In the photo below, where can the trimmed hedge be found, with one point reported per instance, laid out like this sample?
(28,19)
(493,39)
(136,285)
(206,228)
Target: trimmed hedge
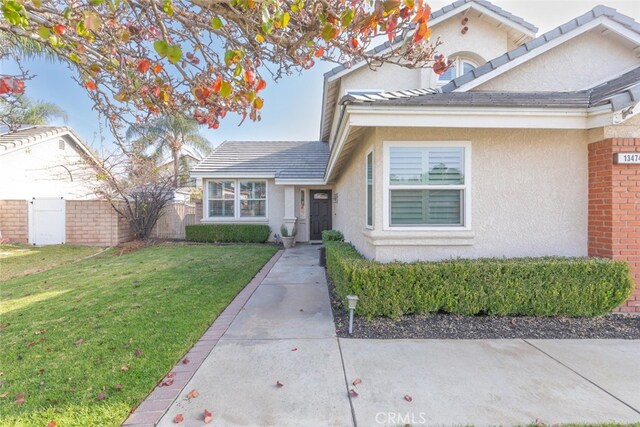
(332,236)
(227,233)
(571,287)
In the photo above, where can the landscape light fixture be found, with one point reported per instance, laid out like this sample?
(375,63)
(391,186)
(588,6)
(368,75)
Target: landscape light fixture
(353,301)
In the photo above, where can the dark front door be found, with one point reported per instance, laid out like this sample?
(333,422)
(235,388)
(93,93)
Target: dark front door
(320,218)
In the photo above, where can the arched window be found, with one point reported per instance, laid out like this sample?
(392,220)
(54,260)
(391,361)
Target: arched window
(459,67)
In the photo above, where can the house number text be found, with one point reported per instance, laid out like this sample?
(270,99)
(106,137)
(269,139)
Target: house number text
(627,159)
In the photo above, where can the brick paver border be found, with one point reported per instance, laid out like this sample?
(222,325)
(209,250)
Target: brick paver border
(157,403)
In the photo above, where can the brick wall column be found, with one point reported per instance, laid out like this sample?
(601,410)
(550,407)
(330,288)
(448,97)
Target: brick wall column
(14,226)
(614,208)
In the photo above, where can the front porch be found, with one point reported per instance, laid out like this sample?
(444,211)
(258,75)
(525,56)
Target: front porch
(310,208)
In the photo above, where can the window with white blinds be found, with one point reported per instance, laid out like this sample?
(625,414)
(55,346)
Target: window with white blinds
(426,186)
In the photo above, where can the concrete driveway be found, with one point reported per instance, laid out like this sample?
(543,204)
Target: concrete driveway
(285,333)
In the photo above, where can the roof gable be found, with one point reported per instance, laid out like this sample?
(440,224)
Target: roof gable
(599,16)
(440,15)
(517,29)
(29,136)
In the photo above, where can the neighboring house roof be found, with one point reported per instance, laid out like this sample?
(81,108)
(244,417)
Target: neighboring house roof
(524,30)
(619,93)
(283,160)
(539,45)
(184,152)
(26,135)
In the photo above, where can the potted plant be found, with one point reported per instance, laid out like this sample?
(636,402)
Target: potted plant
(288,239)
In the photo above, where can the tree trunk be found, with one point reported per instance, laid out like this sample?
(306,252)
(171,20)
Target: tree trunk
(176,167)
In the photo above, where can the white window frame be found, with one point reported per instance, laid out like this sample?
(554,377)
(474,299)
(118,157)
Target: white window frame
(236,201)
(373,189)
(458,63)
(466,187)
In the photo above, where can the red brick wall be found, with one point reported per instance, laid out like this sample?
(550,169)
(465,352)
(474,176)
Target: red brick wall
(614,208)
(13,221)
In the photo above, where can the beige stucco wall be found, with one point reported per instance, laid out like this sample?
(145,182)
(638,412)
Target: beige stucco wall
(42,169)
(630,128)
(349,212)
(580,63)
(528,189)
(482,42)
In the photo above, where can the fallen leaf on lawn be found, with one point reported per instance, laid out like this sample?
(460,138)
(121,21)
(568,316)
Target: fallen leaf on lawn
(52,423)
(124,368)
(78,341)
(166,383)
(294,349)
(20,398)
(171,375)
(137,353)
(208,416)
(193,394)
(3,395)
(1,374)
(42,339)
(178,418)
(353,393)
(408,398)
(101,396)
(356,381)
(185,361)
(279,384)
(40,332)
(31,343)
(40,371)
(118,387)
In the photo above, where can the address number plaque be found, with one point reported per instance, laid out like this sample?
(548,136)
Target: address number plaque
(626,158)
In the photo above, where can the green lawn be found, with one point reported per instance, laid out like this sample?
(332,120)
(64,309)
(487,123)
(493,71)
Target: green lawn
(67,333)
(20,260)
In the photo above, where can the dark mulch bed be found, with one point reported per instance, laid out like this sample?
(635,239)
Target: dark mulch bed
(448,326)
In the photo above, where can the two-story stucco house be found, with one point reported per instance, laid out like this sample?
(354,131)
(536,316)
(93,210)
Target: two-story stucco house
(528,146)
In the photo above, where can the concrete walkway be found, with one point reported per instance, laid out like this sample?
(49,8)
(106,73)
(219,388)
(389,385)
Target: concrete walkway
(285,333)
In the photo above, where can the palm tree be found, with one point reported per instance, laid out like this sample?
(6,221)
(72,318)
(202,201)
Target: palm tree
(168,135)
(26,48)
(28,112)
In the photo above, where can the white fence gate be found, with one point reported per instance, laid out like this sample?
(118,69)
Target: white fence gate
(46,221)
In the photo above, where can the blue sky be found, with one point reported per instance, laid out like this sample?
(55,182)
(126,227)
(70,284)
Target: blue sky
(292,106)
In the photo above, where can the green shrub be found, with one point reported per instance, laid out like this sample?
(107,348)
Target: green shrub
(516,287)
(284,231)
(228,233)
(332,236)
